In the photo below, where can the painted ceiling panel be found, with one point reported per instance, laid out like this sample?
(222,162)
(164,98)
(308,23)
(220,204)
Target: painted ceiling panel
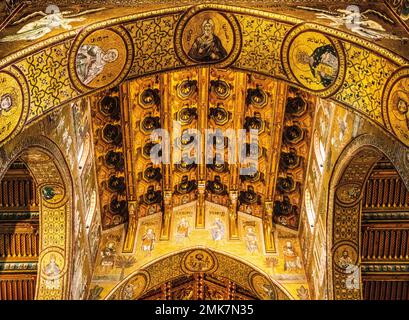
(198,154)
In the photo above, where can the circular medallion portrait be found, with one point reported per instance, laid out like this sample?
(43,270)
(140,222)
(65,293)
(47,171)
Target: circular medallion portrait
(345,257)
(101,58)
(13,104)
(52,270)
(52,194)
(263,287)
(348,193)
(134,287)
(397,105)
(199,261)
(315,61)
(207,37)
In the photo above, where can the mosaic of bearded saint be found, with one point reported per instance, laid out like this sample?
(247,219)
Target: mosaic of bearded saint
(91,61)
(207,47)
(400,106)
(323,63)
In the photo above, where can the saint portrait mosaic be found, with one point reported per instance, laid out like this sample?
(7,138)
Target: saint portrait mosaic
(135,286)
(345,256)
(348,193)
(52,273)
(13,103)
(207,37)
(101,58)
(314,60)
(263,287)
(396,104)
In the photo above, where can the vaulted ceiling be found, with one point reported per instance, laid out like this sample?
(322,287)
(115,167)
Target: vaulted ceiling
(156,83)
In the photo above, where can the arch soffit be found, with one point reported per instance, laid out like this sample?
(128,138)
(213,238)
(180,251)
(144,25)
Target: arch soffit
(31,72)
(344,208)
(221,264)
(47,165)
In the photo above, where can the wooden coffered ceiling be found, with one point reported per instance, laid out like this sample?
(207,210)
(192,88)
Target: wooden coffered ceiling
(201,98)
(19,236)
(385,235)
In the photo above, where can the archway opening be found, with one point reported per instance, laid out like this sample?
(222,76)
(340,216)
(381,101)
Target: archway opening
(197,274)
(368,224)
(200,286)
(52,190)
(19,233)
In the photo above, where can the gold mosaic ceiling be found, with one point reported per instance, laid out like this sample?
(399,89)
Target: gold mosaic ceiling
(204,98)
(324,61)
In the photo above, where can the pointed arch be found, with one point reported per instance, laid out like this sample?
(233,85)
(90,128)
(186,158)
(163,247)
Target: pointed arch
(346,191)
(198,261)
(54,185)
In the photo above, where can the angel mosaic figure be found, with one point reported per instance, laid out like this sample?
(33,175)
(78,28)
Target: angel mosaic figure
(49,21)
(356,21)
